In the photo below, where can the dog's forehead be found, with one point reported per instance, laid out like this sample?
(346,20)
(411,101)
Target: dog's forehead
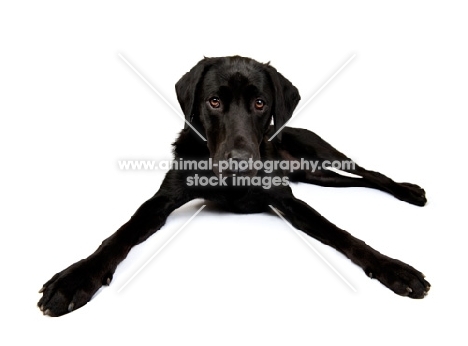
(235,75)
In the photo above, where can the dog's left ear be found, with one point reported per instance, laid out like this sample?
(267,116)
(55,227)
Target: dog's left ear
(186,87)
(286,98)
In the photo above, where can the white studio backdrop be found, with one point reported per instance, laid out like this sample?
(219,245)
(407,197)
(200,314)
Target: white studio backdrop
(71,108)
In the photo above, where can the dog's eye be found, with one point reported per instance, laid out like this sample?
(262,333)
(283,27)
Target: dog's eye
(215,102)
(259,104)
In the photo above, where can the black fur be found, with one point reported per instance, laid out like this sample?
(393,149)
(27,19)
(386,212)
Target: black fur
(232,101)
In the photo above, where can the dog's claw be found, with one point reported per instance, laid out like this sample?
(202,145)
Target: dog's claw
(42,289)
(108,281)
(71,306)
(409,290)
(47,312)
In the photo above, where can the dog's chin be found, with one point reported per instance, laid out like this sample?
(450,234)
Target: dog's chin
(229,174)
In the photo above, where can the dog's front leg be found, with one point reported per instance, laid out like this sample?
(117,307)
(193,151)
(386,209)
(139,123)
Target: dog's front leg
(400,277)
(74,287)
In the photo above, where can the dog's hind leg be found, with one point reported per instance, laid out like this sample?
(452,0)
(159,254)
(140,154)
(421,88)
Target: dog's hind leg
(300,144)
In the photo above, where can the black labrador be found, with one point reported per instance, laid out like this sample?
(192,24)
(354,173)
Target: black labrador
(231,102)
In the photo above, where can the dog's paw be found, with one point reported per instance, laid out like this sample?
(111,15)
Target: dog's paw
(72,288)
(411,193)
(401,278)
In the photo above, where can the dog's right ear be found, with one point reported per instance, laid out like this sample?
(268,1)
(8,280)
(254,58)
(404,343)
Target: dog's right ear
(186,88)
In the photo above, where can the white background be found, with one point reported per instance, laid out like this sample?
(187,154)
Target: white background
(70,109)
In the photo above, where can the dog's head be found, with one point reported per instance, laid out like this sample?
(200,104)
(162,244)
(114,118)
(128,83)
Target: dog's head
(233,99)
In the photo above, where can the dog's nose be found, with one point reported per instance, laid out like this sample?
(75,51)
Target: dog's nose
(239,162)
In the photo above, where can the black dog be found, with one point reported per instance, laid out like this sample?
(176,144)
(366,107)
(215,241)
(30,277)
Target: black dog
(231,101)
